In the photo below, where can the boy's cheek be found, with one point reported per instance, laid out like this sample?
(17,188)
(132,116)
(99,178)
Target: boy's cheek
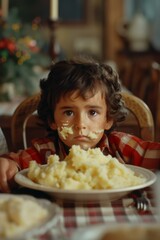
(108,124)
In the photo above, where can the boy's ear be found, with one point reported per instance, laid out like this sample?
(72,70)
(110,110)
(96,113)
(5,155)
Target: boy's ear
(109,124)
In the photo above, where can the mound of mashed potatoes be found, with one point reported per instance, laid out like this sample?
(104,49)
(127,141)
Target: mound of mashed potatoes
(18,215)
(83,169)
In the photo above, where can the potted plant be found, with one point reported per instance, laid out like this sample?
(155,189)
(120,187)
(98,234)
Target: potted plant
(21,51)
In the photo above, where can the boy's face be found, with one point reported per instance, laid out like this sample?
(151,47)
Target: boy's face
(81,121)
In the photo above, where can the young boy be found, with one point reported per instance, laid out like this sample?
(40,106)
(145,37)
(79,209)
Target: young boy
(80,105)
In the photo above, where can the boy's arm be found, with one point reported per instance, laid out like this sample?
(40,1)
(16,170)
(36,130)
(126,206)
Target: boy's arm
(10,163)
(8,168)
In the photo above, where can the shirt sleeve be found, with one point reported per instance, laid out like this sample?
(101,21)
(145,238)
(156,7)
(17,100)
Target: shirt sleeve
(39,152)
(23,157)
(137,151)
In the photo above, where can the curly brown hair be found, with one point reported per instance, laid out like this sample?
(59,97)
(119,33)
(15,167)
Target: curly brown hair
(82,75)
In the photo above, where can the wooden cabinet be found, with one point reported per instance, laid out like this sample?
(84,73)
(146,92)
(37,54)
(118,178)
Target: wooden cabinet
(147,57)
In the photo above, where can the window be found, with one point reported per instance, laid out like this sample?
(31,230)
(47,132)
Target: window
(70,11)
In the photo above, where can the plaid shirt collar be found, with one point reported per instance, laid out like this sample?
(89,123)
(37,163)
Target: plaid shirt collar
(103,145)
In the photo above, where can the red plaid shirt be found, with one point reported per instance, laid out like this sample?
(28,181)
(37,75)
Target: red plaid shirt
(132,149)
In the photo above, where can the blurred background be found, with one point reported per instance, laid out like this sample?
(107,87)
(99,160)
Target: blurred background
(108,30)
(122,33)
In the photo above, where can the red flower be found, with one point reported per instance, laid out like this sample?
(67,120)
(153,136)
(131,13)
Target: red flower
(7,44)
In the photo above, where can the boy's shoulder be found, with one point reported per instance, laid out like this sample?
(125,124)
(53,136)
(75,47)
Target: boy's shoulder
(118,134)
(123,137)
(42,140)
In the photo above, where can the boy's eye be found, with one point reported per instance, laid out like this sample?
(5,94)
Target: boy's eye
(68,113)
(93,112)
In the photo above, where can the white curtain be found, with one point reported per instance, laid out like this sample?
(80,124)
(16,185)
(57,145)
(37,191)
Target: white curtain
(3,143)
(151,10)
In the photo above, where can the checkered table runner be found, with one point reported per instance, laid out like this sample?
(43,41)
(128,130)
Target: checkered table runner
(78,215)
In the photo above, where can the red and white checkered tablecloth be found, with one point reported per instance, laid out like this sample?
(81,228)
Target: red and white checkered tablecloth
(82,215)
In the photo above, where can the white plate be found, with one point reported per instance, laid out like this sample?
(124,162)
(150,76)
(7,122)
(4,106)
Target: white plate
(88,195)
(51,221)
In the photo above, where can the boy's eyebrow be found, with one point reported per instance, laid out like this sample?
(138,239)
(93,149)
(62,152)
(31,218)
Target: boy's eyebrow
(88,106)
(94,106)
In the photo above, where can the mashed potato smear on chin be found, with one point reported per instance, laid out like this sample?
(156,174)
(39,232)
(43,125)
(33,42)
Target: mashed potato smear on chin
(84,169)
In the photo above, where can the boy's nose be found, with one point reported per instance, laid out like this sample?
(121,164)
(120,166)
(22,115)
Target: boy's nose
(80,123)
(79,127)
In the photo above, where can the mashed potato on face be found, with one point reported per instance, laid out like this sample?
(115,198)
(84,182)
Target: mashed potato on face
(83,169)
(18,214)
(64,131)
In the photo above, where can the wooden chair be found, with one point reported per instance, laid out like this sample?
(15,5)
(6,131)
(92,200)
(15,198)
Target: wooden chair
(136,77)
(25,123)
(143,80)
(139,121)
(152,96)
(125,71)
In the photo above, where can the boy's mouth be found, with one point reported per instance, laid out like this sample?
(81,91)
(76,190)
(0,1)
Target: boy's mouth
(81,137)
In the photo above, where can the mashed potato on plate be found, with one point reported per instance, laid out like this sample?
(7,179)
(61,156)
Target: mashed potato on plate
(18,215)
(84,169)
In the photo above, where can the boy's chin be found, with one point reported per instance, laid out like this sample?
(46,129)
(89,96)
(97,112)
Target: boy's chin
(85,146)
